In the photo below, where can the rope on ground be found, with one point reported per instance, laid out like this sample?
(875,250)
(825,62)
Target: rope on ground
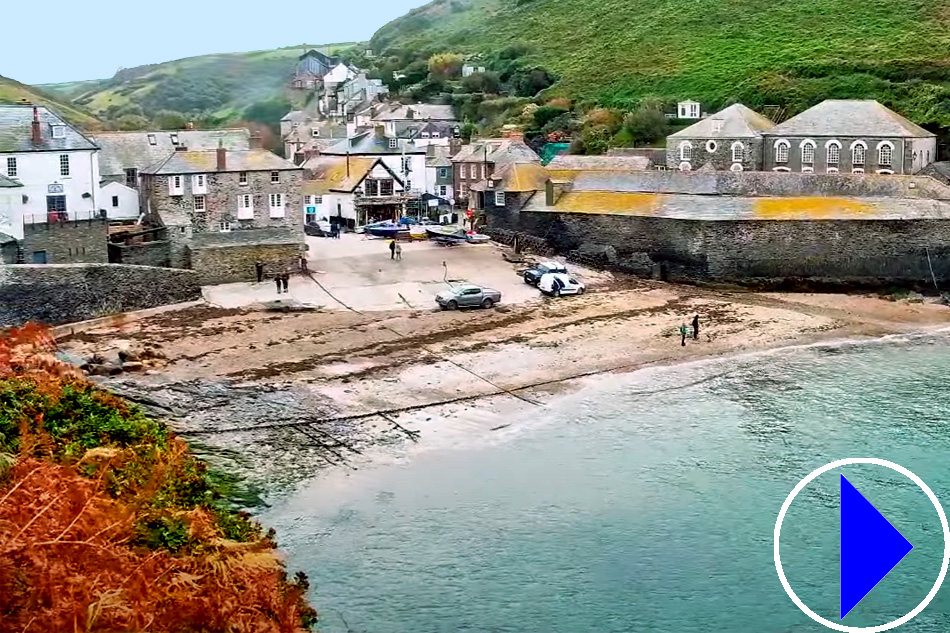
(434,353)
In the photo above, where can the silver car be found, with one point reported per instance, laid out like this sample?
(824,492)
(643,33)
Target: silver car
(467,296)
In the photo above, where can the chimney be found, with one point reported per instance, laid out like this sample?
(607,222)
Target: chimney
(455,146)
(37,134)
(549,193)
(222,157)
(380,132)
(256,140)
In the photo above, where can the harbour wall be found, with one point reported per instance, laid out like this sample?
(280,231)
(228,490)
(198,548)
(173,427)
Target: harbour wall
(790,254)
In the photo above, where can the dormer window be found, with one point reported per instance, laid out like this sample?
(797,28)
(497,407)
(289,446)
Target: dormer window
(174,138)
(436,134)
(425,135)
(315,133)
(152,140)
(59,131)
(393,143)
(717,126)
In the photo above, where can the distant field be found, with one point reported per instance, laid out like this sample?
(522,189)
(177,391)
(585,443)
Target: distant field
(12,91)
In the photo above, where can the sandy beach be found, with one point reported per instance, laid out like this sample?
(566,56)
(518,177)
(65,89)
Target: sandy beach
(295,392)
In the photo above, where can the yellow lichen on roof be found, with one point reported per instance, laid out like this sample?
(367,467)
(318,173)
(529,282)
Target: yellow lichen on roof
(525,177)
(616,202)
(809,208)
(564,175)
(333,174)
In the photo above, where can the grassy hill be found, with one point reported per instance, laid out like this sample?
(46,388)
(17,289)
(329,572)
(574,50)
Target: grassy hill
(759,52)
(14,92)
(221,86)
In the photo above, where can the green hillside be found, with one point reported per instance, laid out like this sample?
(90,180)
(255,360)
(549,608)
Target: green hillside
(14,92)
(219,87)
(759,52)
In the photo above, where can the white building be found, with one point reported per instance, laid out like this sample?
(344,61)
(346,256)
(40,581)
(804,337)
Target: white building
(405,158)
(352,191)
(57,166)
(688,110)
(11,210)
(120,201)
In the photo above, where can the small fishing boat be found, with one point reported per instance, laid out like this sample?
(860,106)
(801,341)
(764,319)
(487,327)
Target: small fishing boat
(385,229)
(456,233)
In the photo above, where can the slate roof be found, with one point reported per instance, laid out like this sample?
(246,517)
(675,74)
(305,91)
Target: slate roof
(420,112)
(128,150)
(737,121)
(206,162)
(330,173)
(438,156)
(498,150)
(841,117)
(515,164)
(371,145)
(729,208)
(8,182)
(567,162)
(296,115)
(266,235)
(16,131)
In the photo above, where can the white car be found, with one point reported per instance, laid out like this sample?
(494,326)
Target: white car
(557,284)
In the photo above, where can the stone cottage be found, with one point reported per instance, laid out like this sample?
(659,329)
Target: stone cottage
(199,192)
(728,140)
(849,136)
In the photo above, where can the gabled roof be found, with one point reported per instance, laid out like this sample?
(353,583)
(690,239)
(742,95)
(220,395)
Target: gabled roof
(335,173)
(736,121)
(516,168)
(207,162)
(16,131)
(298,116)
(438,156)
(496,150)
(8,182)
(850,117)
(135,150)
(369,144)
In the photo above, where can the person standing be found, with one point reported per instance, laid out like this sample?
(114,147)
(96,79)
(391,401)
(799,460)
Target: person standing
(398,252)
(683,334)
(303,264)
(259,267)
(696,327)
(392,249)
(277,281)
(285,279)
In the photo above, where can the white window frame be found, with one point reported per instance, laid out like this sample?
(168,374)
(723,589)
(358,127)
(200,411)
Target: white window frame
(425,135)
(314,133)
(783,170)
(808,169)
(436,135)
(736,167)
(64,165)
(738,156)
(686,166)
(317,200)
(443,172)
(245,206)
(885,172)
(199,208)
(224,225)
(199,183)
(832,170)
(462,171)
(276,204)
(393,143)
(808,146)
(864,154)
(717,126)
(59,131)
(174,138)
(837,153)
(686,152)
(885,145)
(275,178)
(782,151)
(499,198)
(712,146)
(443,191)
(11,166)
(176,185)
(242,178)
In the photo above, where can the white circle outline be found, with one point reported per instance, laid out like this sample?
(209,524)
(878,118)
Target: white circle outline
(946,545)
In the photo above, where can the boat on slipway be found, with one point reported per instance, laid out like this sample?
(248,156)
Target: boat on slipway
(455,233)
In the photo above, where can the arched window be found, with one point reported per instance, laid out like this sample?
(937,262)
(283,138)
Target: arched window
(684,166)
(736,167)
(808,153)
(885,153)
(781,151)
(858,151)
(738,152)
(834,152)
(686,150)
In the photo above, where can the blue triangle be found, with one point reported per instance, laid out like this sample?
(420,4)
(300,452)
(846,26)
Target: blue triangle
(870,547)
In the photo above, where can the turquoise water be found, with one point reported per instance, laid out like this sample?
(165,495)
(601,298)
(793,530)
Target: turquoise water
(644,502)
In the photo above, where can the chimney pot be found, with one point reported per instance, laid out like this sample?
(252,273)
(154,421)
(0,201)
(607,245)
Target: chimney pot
(37,132)
(256,141)
(222,156)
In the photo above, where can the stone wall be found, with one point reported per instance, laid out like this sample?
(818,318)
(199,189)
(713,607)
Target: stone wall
(231,257)
(720,158)
(155,253)
(56,294)
(73,242)
(831,254)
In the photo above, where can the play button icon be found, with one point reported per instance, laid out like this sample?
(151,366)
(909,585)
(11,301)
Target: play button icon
(870,547)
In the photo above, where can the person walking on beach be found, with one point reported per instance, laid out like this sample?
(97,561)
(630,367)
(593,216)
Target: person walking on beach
(683,333)
(398,252)
(259,267)
(285,280)
(277,281)
(392,249)
(303,264)
(696,327)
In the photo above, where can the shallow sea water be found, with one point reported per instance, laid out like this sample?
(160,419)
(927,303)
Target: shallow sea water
(644,502)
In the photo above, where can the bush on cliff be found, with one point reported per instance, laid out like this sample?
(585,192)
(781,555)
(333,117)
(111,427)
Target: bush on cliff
(108,523)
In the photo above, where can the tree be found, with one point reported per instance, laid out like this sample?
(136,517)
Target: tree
(170,120)
(546,114)
(486,82)
(647,125)
(130,122)
(529,82)
(468,130)
(445,66)
(596,139)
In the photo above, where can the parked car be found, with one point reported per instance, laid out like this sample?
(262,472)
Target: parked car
(557,284)
(321,228)
(468,296)
(533,275)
